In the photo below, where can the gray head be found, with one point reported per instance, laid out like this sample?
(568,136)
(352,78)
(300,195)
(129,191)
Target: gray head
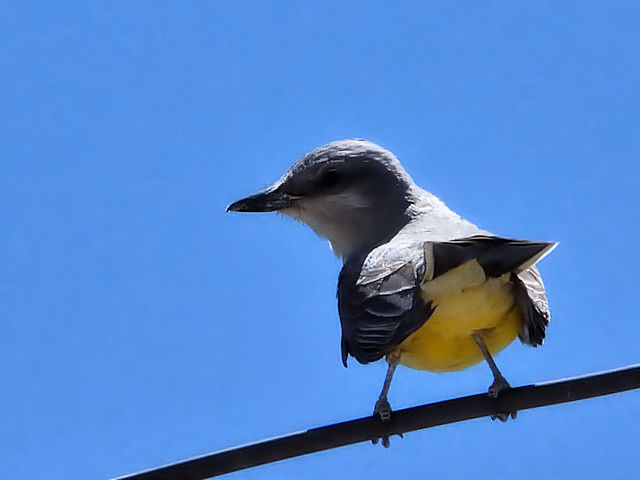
(352,192)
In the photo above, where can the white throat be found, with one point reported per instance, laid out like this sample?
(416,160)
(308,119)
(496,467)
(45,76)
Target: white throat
(342,219)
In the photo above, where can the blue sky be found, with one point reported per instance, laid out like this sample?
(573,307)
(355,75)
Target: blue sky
(141,324)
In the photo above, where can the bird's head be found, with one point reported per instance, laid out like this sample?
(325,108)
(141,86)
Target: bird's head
(352,192)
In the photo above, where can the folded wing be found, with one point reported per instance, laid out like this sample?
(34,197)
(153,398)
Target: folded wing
(377,316)
(380,303)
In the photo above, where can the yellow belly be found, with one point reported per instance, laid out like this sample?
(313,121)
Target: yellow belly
(466,302)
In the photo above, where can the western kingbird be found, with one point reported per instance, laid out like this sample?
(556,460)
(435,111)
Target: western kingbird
(420,285)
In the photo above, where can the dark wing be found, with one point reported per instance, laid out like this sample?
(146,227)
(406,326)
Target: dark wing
(530,295)
(377,316)
(498,256)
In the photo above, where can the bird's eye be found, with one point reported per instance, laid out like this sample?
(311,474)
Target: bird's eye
(330,179)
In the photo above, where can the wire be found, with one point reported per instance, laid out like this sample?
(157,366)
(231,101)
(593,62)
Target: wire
(402,421)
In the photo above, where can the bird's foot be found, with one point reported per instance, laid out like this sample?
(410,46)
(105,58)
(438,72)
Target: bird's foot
(382,409)
(503,417)
(385,440)
(498,386)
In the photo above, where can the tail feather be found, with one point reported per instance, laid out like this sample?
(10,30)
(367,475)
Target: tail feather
(496,255)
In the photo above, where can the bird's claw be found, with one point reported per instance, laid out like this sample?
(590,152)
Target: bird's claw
(503,417)
(382,409)
(385,440)
(498,386)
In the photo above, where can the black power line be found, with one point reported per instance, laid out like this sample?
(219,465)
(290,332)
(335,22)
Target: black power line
(402,421)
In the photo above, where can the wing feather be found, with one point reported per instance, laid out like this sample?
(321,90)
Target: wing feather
(379,298)
(379,315)
(530,295)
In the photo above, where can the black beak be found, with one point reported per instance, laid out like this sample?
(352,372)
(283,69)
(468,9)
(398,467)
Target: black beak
(269,200)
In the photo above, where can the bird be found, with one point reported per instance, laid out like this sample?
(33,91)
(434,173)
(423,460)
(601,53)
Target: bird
(420,286)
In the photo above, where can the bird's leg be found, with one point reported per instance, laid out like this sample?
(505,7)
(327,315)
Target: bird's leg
(500,383)
(382,408)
